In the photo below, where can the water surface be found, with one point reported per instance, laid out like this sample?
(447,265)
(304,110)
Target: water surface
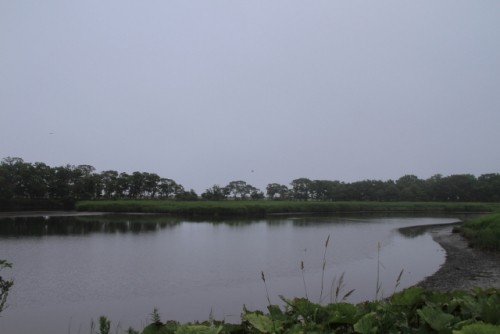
(69,270)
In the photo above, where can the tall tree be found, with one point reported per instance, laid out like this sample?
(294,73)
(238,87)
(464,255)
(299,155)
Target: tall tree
(109,179)
(136,183)
(301,188)
(86,184)
(237,189)
(151,184)
(215,193)
(168,188)
(277,191)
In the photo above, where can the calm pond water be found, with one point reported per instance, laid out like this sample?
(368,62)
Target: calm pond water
(69,270)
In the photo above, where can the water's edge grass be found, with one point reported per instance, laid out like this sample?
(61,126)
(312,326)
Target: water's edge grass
(269,207)
(483,232)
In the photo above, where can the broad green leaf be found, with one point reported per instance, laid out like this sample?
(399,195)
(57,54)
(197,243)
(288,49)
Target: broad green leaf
(276,313)
(261,322)
(490,309)
(408,297)
(342,313)
(305,308)
(367,324)
(479,329)
(434,317)
(470,307)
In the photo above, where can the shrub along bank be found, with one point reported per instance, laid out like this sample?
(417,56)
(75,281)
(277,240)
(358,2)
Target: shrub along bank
(483,232)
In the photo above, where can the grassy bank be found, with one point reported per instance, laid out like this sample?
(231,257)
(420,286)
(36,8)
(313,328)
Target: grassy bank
(266,207)
(483,232)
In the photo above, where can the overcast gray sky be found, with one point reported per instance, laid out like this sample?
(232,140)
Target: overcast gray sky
(205,92)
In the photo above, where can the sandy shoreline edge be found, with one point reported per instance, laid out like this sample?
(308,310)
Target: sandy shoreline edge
(464,267)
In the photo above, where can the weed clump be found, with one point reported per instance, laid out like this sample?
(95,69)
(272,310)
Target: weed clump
(483,232)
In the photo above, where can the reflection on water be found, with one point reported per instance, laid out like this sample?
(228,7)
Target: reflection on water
(81,225)
(78,268)
(45,226)
(416,231)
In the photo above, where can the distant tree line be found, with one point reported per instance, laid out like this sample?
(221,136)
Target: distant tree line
(462,187)
(22,180)
(19,179)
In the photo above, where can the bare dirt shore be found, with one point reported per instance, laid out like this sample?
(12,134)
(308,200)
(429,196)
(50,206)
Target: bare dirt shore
(465,267)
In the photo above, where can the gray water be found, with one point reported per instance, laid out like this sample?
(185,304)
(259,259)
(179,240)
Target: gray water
(70,270)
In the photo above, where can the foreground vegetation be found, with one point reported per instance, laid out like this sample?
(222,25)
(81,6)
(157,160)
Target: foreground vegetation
(266,207)
(413,310)
(5,284)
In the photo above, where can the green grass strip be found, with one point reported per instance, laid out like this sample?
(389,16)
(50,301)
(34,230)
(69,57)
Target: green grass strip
(267,207)
(483,232)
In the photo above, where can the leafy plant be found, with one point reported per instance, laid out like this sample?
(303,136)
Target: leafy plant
(5,285)
(104,325)
(155,316)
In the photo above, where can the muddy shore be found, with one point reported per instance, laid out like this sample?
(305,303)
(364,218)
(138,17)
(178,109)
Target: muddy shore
(465,267)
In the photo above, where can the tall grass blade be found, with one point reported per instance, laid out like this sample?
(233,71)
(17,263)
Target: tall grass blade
(323,269)
(340,286)
(265,284)
(348,294)
(303,277)
(398,280)
(379,285)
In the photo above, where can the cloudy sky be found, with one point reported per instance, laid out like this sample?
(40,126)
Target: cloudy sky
(207,92)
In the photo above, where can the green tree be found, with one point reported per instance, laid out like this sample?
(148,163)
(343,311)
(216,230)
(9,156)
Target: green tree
(60,182)
(109,179)
(411,188)
(38,186)
(85,184)
(215,193)
(325,190)
(151,184)
(14,172)
(255,193)
(463,187)
(123,185)
(238,189)
(168,188)
(136,184)
(186,195)
(302,188)
(488,187)
(277,191)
